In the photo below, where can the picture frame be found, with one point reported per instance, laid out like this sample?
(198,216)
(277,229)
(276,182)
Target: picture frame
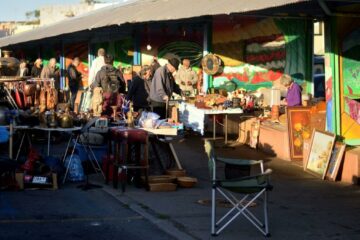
(321,147)
(336,158)
(299,129)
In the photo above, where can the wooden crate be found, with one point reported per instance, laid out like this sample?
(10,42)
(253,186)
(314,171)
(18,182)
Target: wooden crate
(22,185)
(351,168)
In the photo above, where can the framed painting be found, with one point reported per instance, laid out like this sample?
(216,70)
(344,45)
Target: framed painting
(320,152)
(299,126)
(335,161)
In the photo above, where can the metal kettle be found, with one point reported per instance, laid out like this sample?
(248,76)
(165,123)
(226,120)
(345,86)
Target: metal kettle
(66,120)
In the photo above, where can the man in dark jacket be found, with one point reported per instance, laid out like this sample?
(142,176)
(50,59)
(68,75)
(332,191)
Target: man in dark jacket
(74,77)
(112,82)
(139,89)
(162,87)
(109,78)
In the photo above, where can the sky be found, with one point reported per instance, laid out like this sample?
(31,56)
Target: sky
(14,10)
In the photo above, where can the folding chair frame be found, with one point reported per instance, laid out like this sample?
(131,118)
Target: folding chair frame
(239,206)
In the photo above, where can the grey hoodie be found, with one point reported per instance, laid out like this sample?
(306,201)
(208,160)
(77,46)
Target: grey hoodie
(163,84)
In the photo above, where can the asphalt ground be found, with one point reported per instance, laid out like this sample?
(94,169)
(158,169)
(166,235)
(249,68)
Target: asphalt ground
(70,213)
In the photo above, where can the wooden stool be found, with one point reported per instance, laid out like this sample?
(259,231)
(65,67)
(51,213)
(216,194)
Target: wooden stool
(129,144)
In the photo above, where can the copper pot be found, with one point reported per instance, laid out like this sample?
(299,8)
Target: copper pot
(9,66)
(66,120)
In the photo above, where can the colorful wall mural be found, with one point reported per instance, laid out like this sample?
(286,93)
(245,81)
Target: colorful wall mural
(258,51)
(172,40)
(343,78)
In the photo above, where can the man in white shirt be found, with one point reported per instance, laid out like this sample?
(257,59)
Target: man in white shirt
(186,77)
(96,65)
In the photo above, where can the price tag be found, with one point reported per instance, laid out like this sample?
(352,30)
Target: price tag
(39,180)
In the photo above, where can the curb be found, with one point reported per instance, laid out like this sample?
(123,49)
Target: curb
(168,226)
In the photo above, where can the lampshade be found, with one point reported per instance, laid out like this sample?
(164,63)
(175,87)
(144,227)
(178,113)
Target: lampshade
(275,96)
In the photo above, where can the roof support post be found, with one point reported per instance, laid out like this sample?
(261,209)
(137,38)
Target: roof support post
(62,67)
(137,48)
(207,44)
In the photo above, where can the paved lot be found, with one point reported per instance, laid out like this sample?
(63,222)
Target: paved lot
(70,213)
(301,206)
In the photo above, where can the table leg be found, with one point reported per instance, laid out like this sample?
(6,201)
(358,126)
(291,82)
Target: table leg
(226,129)
(29,139)
(11,139)
(21,144)
(67,147)
(72,153)
(156,153)
(175,156)
(214,126)
(48,147)
(98,167)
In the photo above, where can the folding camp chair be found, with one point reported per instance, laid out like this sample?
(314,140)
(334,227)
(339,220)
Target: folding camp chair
(250,187)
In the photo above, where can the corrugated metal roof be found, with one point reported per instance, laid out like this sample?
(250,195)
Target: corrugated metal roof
(144,11)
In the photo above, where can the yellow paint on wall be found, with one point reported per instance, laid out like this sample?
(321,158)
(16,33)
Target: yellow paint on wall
(350,129)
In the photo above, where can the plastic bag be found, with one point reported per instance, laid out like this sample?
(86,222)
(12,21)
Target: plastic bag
(76,171)
(4,135)
(148,119)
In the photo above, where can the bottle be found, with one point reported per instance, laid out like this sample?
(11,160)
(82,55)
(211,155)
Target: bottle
(130,117)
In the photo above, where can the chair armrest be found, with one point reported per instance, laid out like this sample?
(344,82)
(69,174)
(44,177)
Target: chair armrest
(266,174)
(238,161)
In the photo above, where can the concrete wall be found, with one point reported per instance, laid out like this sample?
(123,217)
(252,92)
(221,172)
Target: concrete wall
(55,13)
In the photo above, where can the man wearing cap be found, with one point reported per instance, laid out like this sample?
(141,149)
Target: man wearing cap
(163,85)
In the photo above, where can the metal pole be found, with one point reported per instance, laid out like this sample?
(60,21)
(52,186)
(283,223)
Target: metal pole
(214,127)
(11,140)
(48,147)
(226,129)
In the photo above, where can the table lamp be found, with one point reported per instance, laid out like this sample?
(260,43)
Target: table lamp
(275,96)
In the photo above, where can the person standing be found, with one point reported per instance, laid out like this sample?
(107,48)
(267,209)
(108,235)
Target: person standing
(36,69)
(140,88)
(112,82)
(186,77)
(23,70)
(74,77)
(51,71)
(200,82)
(162,87)
(293,97)
(96,65)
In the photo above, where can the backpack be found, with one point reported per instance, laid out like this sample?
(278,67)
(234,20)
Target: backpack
(113,82)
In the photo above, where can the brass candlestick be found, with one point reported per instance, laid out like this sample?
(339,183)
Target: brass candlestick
(114,108)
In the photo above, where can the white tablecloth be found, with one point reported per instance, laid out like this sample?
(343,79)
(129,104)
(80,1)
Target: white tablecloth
(196,119)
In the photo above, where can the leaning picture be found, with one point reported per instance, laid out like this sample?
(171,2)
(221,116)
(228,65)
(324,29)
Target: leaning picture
(320,152)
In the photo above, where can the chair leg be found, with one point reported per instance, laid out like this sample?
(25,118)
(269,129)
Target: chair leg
(107,165)
(213,211)
(267,234)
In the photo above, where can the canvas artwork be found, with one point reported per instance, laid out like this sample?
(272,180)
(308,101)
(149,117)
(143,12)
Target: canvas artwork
(299,124)
(320,152)
(335,161)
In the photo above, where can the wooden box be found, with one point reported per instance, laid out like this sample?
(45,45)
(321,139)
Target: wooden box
(351,167)
(274,139)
